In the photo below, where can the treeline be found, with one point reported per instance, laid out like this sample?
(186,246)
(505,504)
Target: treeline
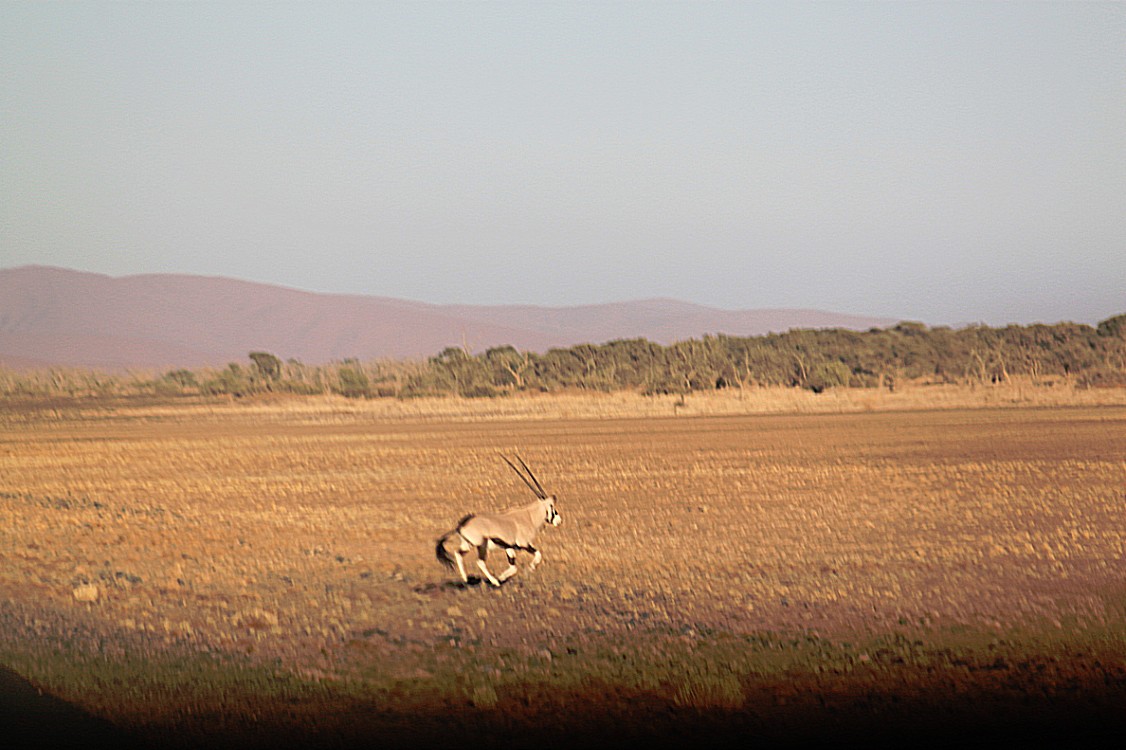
(811,359)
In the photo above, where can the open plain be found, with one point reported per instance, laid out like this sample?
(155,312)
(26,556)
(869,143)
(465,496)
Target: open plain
(263,574)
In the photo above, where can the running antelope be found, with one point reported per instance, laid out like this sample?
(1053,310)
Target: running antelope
(511,530)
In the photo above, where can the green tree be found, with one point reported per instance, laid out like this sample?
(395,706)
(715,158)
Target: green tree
(828,375)
(182,378)
(1113,327)
(508,367)
(231,381)
(267,366)
(353,382)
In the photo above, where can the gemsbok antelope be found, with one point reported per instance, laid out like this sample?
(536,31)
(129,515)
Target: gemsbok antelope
(511,530)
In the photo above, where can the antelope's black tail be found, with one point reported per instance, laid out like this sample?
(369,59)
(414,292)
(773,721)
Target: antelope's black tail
(442,553)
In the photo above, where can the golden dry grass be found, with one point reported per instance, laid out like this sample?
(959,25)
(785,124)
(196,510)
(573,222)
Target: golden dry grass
(298,535)
(1019,392)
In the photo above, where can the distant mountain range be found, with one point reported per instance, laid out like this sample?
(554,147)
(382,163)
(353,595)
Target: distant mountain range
(58,317)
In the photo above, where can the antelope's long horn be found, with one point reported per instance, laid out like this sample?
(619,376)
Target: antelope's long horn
(538,492)
(542,494)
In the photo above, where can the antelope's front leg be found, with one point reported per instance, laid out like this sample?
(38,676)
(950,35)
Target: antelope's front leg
(483,552)
(511,569)
(536,557)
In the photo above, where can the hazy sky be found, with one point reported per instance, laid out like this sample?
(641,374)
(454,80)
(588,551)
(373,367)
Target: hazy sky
(948,163)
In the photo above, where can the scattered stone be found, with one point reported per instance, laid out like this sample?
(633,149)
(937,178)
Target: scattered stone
(86,593)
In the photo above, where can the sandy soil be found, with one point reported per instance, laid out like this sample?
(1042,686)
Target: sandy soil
(771,575)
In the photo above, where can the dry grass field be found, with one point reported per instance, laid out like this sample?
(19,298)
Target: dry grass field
(263,574)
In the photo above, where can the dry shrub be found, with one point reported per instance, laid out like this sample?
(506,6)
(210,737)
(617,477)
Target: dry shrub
(484,696)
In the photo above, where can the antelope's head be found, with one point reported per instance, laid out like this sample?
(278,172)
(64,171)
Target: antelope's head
(551,515)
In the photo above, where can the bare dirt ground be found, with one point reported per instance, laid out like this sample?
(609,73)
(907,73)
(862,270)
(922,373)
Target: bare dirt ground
(262,575)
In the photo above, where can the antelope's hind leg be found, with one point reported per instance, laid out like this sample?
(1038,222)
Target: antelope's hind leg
(459,558)
(511,569)
(483,552)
